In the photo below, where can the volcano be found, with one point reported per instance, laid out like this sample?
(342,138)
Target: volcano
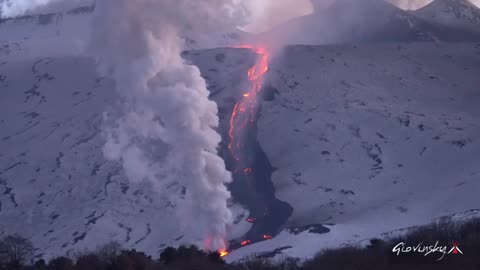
(456,13)
(352,141)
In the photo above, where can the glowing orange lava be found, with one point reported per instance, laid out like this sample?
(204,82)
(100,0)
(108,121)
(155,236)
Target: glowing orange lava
(267,237)
(223,252)
(245,242)
(245,109)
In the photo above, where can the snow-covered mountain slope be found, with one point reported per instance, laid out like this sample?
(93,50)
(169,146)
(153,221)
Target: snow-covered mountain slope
(457,13)
(306,243)
(373,138)
(56,188)
(46,34)
(364,21)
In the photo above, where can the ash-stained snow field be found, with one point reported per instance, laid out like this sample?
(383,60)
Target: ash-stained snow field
(362,130)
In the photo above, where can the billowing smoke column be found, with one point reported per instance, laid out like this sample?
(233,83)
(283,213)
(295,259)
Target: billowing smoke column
(166,129)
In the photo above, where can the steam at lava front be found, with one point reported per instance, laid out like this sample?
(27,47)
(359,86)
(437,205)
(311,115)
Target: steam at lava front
(245,110)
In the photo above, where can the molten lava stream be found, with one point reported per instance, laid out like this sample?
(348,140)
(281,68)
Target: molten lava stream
(245,242)
(223,252)
(244,110)
(267,237)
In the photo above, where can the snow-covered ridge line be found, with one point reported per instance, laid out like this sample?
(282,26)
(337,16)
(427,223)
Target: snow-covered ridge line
(349,21)
(460,14)
(44,16)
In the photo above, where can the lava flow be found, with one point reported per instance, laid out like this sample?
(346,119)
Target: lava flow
(245,242)
(267,237)
(245,110)
(243,114)
(223,252)
(251,219)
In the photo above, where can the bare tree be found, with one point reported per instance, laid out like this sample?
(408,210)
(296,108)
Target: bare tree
(110,250)
(15,250)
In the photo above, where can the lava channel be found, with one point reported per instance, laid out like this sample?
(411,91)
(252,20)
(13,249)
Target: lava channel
(245,110)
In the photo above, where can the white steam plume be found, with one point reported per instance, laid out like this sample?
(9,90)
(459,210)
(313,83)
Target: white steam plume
(166,131)
(270,13)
